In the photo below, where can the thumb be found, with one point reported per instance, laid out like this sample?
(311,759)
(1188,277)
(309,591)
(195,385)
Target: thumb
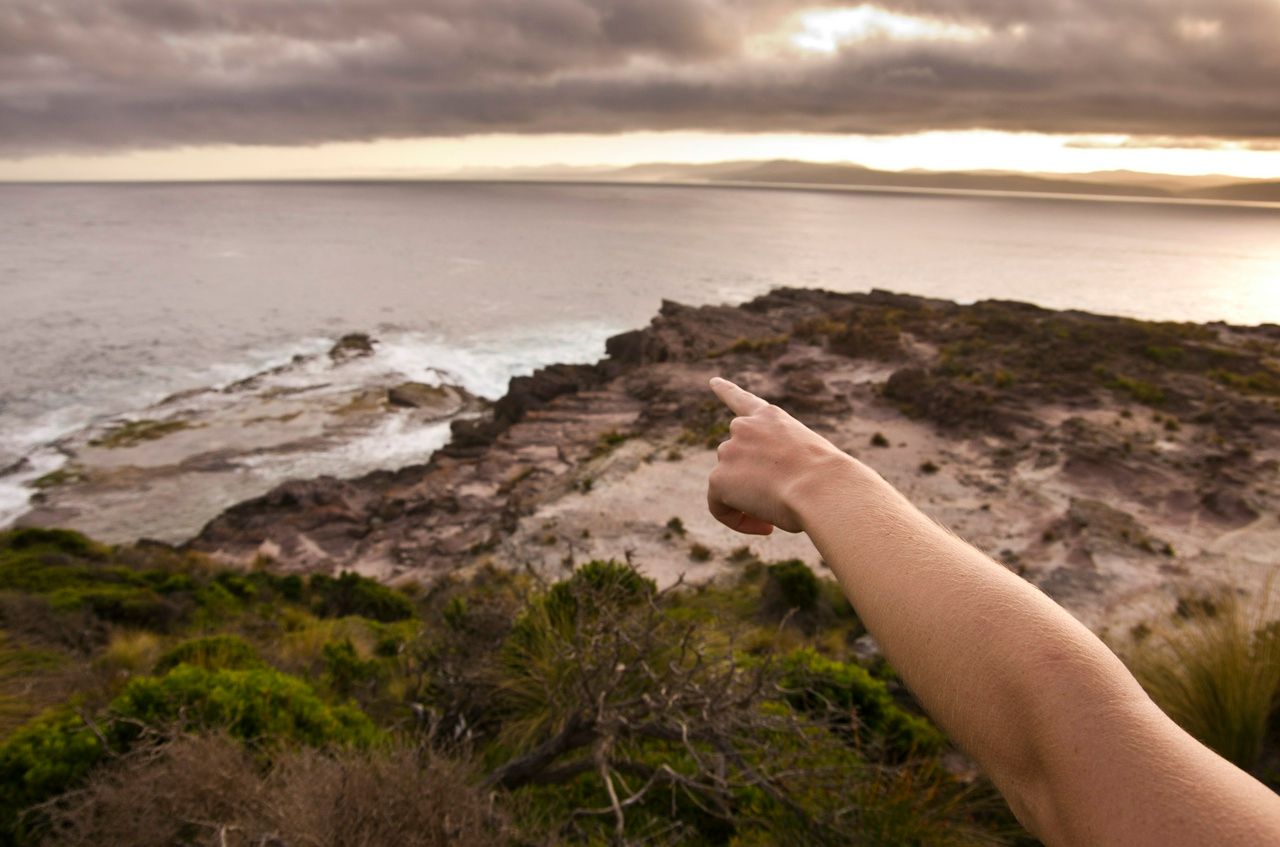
(753,526)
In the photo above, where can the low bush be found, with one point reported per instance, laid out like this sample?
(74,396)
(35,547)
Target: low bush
(56,751)
(42,759)
(259,705)
(215,652)
(603,709)
(352,594)
(791,585)
(209,790)
(345,672)
(848,693)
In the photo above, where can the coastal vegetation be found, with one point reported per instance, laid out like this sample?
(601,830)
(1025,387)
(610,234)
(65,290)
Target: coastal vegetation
(287,697)
(1214,667)
(141,681)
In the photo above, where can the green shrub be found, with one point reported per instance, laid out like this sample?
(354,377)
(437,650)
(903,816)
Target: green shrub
(75,574)
(124,605)
(44,758)
(67,541)
(290,587)
(792,585)
(352,594)
(345,671)
(56,751)
(620,583)
(1144,392)
(260,705)
(216,652)
(818,685)
(700,552)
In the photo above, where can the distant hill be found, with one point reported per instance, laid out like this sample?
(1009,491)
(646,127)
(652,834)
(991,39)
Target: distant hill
(1103,183)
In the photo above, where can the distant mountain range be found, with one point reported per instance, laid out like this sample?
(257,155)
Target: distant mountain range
(787,172)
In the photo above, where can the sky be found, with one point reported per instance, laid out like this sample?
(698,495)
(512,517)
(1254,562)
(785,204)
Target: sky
(174,89)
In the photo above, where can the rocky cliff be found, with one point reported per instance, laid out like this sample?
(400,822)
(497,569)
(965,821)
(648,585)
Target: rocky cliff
(1119,464)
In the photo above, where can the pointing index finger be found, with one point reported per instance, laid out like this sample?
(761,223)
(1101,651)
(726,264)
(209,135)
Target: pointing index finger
(739,400)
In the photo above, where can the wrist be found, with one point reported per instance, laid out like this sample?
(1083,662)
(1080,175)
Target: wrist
(825,483)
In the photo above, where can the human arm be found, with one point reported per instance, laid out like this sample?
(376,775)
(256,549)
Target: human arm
(1054,718)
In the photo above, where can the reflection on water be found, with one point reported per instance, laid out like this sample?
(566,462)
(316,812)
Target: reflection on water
(115,295)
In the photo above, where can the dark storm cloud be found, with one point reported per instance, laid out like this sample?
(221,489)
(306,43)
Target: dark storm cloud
(102,74)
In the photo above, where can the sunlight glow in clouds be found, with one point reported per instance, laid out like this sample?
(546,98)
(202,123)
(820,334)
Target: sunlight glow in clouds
(826,30)
(1199,29)
(488,155)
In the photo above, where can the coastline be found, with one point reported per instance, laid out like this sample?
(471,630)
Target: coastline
(741,185)
(1120,465)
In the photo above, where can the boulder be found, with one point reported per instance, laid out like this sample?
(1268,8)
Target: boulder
(353,345)
(440,401)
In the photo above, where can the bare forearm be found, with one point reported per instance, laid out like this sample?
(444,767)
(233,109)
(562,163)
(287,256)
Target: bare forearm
(1046,709)
(955,625)
(1080,752)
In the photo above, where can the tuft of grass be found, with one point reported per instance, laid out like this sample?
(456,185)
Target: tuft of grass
(131,651)
(509,484)
(1262,382)
(700,553)
(1144,392)
(23,673)
(607,442)
(929,467)
(1216,672)
(675,527)
(878,440)
(131,433)
(62,476)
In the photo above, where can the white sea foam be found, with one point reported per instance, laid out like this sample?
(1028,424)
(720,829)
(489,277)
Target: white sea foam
(483,365)
(396,443)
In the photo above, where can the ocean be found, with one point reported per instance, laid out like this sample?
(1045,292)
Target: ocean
(115,296)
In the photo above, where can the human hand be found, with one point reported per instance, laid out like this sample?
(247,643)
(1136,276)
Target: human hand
(768,458)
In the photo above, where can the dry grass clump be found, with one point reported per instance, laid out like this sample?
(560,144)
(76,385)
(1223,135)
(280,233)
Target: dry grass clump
(1216,672)
(210,790)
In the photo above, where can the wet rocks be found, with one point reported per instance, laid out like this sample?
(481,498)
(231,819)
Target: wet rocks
(434,402)
(353,345)
(684,334)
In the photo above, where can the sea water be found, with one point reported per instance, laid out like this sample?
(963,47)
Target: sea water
(114,296)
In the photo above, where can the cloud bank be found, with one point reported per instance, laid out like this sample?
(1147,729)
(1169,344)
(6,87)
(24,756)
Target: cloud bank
(85,75)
